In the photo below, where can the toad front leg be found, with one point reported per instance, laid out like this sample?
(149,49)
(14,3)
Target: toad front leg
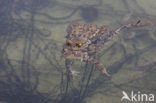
(99,65)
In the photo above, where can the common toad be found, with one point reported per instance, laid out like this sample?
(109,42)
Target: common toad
(85,40)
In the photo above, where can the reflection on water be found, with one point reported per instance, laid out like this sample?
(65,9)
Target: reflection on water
(32,69)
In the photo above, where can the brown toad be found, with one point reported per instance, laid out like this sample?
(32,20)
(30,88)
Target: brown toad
(85,40)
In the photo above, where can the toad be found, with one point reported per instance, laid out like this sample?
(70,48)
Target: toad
(86,40)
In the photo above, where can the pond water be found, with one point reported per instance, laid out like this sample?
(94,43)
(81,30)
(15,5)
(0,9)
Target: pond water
(33,70)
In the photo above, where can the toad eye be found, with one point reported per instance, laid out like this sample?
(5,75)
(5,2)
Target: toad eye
(69,43)
(79,44)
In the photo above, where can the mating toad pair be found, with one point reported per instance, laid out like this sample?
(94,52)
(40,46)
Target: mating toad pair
(85,40)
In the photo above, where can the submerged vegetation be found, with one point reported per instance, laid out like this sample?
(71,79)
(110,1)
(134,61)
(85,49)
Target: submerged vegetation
(33,71)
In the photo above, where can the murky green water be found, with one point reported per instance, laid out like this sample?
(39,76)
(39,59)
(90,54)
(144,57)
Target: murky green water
(32,33)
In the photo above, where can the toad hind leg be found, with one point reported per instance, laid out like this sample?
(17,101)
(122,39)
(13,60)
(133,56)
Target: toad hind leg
(99,65)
